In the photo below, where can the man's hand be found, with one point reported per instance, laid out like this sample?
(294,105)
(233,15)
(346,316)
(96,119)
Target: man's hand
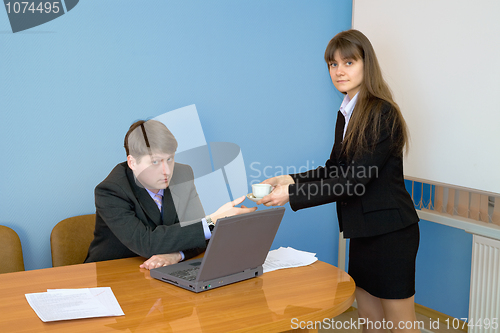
(160,260)
(229,209)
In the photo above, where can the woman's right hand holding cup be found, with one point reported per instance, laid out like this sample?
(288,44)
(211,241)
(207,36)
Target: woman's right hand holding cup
(279,195)
(279,180)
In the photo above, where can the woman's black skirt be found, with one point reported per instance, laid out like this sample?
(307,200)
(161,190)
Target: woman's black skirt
(384,265)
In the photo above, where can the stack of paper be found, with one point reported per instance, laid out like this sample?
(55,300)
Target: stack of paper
(65,304)
(287,258)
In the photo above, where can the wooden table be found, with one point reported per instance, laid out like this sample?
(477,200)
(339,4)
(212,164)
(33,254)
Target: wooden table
(267,303)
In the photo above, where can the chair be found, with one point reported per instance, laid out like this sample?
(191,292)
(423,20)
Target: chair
(11,253)
(70,240)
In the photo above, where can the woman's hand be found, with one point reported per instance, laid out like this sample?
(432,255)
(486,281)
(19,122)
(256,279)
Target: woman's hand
(160,260)
(278,197)
(279,180)
(229,209)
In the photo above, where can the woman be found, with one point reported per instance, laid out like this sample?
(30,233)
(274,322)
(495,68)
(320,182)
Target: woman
(364,175)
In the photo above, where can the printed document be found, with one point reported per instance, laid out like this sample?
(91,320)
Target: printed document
(287,258)
(65,304)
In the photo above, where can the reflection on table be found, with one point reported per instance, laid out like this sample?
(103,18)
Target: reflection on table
(264,304)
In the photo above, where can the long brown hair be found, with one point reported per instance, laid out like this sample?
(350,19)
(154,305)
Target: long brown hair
(364,124)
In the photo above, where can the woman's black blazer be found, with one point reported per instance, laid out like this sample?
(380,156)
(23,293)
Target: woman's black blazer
(370,191)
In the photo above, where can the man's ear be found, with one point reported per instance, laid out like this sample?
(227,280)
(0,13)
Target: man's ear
(131,162)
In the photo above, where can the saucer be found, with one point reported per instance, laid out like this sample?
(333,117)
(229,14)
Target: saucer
(252,197)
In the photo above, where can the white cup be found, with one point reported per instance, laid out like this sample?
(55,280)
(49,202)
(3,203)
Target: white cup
(261,190)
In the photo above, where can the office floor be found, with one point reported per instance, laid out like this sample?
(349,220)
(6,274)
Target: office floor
(352,316)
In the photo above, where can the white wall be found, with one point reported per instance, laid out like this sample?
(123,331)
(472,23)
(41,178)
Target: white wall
(440,59)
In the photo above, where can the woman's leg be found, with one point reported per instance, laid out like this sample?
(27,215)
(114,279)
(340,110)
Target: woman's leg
(401,312)
(370,311)
(378,314)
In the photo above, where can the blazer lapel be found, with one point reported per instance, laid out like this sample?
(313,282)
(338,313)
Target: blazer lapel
(169,208)
(147,203)
(339,132)
(179,204)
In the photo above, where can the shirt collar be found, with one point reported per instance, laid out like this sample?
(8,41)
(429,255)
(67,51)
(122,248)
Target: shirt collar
(348,106)
(160,192)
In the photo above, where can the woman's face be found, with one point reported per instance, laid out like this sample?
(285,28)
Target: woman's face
(346,74)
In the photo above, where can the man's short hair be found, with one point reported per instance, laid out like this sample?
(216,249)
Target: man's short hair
(149,137)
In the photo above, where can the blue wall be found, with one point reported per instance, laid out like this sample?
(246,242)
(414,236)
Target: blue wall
(443,269)
(443,262)
(71,87)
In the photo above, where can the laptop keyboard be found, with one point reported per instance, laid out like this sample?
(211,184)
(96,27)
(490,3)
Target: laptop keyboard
(187,274)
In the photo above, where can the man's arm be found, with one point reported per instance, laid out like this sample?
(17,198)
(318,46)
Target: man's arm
(129,222)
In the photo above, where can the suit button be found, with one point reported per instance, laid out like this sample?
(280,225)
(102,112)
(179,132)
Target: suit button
(343,203)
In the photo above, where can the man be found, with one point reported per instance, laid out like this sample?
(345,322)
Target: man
(144,208)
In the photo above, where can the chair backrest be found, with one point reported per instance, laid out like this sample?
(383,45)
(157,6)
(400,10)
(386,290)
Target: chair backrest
(70,240)
(11,253)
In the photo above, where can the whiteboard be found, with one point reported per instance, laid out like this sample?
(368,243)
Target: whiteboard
(441,59)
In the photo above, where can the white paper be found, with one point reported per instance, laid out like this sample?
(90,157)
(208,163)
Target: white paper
(287,258)
(66,304)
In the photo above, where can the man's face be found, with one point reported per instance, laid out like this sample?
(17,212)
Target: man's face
(153,172)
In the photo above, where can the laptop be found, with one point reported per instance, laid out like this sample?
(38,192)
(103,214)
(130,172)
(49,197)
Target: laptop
(237,249)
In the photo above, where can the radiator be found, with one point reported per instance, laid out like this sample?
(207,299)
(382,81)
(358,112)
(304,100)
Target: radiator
(484,303)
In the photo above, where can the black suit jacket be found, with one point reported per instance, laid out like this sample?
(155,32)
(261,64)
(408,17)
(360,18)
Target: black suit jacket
(129,223)
(370,191)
